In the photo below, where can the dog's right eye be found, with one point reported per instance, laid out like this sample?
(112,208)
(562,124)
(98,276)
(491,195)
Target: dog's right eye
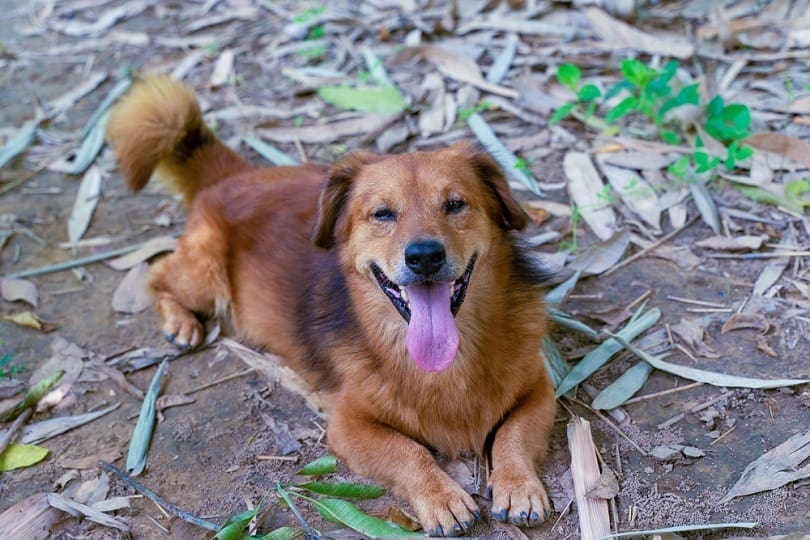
(384,214)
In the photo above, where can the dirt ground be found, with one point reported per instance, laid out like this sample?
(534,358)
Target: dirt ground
(208,457)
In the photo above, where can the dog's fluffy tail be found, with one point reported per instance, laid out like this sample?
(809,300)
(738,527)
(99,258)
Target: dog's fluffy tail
(158,125)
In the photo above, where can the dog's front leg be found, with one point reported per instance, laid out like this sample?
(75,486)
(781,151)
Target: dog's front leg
(520,442)
(388,456)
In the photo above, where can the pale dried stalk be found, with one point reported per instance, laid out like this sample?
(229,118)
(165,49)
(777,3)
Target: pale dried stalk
(594,516)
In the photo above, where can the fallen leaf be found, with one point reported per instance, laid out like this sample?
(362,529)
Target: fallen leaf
(773,270)
(171,400)
(734,243)
(142,434)
(373,99)
(666,452)
(77,509)
(91,145)
(270,152)
(623,388)
(14,289)
(325,133)
(705,204)
(151,248)
(453,64)
(17,456)
(10,387)
(78,27)
(66,101)
(756,321)
(601,257)
(680,255)
(620,35)
(223,69)
(775,468)
(112,504)
(432,115)
(796,149)
(29,319)
(89,491)
(606,486)
(66,358)
(91,462)
(538,215)
(639,160)
(635,192)
(286,443)
(584,185)
(18,143)
(500,66)
(44,430)
(692,331)
(85,204)
(132,294)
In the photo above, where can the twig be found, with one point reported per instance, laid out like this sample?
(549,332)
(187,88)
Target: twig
(158,525)
(651,247)
(10,434)
(185,516)
(562,514)
(723,436)
(663,393)
(696,408)
(695,302)
(746,256)
(614,427)
(277,458)
(221,380)
(81,261)
(639,300)
(709,310)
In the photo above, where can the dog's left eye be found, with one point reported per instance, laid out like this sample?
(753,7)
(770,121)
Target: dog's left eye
(453,206)
(384,214)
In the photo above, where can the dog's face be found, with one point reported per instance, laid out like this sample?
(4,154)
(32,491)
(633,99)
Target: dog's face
(415,225)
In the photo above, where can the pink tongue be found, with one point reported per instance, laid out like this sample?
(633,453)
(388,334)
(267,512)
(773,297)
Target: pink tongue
(432,337)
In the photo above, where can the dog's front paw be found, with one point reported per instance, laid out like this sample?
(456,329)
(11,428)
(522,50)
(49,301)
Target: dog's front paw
(183,329)
(445,510)
(518,497)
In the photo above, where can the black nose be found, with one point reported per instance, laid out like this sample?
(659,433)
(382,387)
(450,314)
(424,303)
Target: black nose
(424,257)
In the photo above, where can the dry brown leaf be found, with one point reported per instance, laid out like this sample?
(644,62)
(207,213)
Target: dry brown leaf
(603,256)
(149,250)
(736,243)
(606,486)
(118,378)
(77,509)
(584,185)
(620,35)
(538,215)
(326,133)
(764,346)
(66,357)
(455,65)
(635,192)
(91,462)
(132,294)
(222,69)
(431,118)
(14,289)
(172,400)
(680,255)
(790,147)
(29,319)
(692,331)
(757,321)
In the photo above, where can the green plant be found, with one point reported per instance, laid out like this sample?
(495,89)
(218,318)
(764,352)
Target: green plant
(570,76)
(464,113)
(328,498)
(572,245)
(7,369)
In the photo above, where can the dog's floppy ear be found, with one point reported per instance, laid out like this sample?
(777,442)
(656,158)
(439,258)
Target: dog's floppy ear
(510,215)
(334,195)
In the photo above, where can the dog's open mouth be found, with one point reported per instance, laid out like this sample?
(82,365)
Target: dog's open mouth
(429,308)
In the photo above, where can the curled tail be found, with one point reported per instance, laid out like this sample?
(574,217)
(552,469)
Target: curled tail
(158,125)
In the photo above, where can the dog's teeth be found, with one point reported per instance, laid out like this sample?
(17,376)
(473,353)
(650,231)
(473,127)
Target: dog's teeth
(404,294)
(451,289)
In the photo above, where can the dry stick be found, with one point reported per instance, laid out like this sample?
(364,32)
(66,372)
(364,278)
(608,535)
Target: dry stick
(663,393)
(651,247)
(696,408)
(616,428)
(154,497)
(695,302)
(222,380)
(562,514)
(723,436)
(11,433)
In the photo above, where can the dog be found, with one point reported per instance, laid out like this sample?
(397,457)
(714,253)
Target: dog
(396,285)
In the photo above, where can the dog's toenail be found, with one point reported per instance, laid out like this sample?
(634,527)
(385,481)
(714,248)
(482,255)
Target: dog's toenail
(501,514)
(170,337)
(535,516)
(488,493)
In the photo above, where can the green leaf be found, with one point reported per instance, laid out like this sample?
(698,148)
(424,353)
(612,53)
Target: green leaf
(282,533)
(597,357)
(32,396)
(17,456)
(705,204)
(623,388)
(588,92)
(319,467)
(269,152)
(142,434)
(569,75)
(561,113)
(91,145)
(556,366)
(625,106)
(687,95)
(235,524)
(743,152)
(374,99)
(715,106)
(344,489)
(558,294)
(345,513)
(617,88)
(568,321)
(18,143)
(680,167)
(670,137)
(795,189)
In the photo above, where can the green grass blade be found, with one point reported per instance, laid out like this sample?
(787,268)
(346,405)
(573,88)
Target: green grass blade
(142,435)
(623,388)
(558,294)
(18,143)
(319,467)
(91,146)
(568,321)
(597,357)
(345,513)
(32,396)
(344,489)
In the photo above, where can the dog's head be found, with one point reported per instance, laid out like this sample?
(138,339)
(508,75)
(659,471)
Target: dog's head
(415,225)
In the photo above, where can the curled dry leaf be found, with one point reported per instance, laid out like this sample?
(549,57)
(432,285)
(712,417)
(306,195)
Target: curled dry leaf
(132,294)
(757,321)
(222,69)
(736,243)
(29,319)
(620,35)
(584,185)
(172,400)
(151,248)
(14,289)
(606,486)
(692,331)
(85,204)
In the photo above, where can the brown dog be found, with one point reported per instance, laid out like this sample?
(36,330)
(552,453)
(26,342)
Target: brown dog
(416,311)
